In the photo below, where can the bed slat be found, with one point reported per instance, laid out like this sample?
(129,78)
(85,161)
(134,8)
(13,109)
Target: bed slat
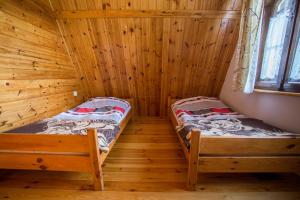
(245,146)
(48,162)
(249,164)
(48,143)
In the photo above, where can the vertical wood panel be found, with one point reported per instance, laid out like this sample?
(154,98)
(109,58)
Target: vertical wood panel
(150,58)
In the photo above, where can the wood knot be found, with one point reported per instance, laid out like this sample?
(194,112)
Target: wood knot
(39,160)
(290,146)
(35,182)
(43,167)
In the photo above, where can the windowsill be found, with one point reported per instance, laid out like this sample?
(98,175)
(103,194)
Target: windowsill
(277,92)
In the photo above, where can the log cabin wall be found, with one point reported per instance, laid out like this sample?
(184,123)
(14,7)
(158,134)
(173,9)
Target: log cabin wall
(37,76)
(150,49)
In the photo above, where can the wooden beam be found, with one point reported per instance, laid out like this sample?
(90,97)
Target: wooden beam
(211,14)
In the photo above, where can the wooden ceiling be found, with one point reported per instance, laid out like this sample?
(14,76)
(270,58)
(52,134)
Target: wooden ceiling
(149,49)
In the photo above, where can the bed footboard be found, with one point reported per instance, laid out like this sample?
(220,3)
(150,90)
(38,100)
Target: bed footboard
(78,153)
(213,154)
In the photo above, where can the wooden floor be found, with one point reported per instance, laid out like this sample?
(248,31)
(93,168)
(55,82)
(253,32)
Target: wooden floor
(147,163)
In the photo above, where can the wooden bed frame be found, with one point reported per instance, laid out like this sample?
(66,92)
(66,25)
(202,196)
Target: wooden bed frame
(237,154)
(78,153)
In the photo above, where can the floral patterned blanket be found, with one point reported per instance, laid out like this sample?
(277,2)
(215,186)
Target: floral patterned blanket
(212,117)
(103,114)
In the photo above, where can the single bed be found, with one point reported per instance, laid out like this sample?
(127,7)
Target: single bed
(76,140)
(215,138)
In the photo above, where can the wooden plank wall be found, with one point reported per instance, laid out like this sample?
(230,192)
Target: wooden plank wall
(149,49)
(37,76)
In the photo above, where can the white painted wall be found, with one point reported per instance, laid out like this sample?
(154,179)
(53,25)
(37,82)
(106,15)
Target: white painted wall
(279,110)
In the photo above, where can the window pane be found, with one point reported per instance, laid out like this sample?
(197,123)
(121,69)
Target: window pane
(295,71)
(277,31)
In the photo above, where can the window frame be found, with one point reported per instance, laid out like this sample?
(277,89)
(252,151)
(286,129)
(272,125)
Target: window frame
(289,48)
(292,52)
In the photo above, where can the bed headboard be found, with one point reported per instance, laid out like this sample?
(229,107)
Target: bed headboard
(133,106)
(170,102)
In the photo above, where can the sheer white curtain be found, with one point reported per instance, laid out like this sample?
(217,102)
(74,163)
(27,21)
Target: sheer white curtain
(248,46)
(251,77)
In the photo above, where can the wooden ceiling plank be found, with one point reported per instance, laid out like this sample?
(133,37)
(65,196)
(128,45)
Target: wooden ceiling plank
(179,42)
(196,55)
(128,59)
(145,74)
(191,50)
(112,43)
(213,60)
(185,51)
(230,50)
(210,48)
(153,76)
(105,56)
(158,62)
(137,30)
(81,72)
(164,67)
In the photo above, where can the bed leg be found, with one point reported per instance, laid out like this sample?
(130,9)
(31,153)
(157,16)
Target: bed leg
(193,160)
(95,159)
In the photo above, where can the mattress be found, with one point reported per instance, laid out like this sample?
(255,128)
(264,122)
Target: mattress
(214,118)
(102,113)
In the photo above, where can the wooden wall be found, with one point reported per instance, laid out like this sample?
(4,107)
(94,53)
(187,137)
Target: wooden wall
(37,76)
(149,49)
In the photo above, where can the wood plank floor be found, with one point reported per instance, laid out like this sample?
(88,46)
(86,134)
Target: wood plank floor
(146,163)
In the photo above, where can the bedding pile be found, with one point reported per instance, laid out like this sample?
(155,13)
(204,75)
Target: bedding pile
(212,117)
(101,113)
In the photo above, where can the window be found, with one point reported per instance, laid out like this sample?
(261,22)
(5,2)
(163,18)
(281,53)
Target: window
(279,50)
